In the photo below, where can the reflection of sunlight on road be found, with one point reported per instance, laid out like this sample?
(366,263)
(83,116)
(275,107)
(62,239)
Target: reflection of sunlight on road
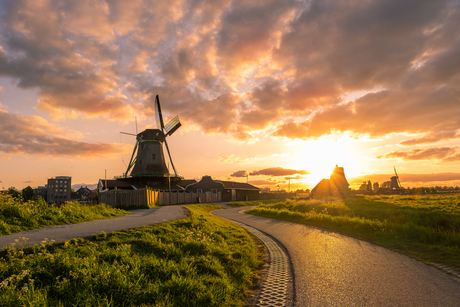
(319,157)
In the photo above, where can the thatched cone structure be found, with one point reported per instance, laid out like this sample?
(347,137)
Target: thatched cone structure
(336,186)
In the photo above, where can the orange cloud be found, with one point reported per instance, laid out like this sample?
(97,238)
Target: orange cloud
(441,154)
(432,138)
(233,67)
(234,159)
(34,135)
(239,174)
(277,171)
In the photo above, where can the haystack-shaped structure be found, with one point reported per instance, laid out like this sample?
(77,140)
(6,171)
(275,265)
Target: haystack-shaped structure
(336,186)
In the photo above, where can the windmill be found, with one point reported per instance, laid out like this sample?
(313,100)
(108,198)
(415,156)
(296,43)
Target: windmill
(148,159)
(395,184)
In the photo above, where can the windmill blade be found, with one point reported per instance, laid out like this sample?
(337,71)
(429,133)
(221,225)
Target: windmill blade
(159,116)
(397,177)
(170,159)
(172,126)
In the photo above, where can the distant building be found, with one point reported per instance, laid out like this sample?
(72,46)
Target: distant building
(265,190)
(41,191)
(376,186)
(336,186)
(82,193)
(58,190)
(231,191)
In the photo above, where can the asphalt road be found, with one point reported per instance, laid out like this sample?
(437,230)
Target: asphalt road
(60,233)
(335,270)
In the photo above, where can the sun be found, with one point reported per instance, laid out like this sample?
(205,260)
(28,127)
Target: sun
(319,157)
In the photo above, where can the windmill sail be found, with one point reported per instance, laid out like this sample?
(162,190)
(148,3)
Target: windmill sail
(159,116)
(172,126)
(148,159)
(397,177)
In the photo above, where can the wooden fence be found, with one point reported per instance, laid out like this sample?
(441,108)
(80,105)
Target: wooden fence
(148,198)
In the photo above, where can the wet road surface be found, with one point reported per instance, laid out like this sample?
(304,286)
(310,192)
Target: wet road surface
(335,270)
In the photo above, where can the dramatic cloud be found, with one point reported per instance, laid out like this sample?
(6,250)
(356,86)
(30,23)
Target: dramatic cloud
(237,67)
(239,174)
(277,171)
(442,154)
(34,135)
(432,138)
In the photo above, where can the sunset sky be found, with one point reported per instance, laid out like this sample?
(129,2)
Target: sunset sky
(274,89)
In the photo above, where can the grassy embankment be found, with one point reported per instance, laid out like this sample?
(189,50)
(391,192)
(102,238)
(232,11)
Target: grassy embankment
(424,227)
(201,260)
(16,216)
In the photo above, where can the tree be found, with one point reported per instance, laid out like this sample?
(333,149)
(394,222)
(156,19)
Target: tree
(28,193)
(13,192)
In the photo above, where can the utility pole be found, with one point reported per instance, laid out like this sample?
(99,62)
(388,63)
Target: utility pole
(169,184)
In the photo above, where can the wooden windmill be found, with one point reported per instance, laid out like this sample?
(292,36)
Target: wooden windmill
(148,158)
(395,183)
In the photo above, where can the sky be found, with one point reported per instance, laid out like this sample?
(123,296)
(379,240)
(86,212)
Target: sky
(269,92)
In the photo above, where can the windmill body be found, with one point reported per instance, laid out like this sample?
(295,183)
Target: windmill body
(148,166)
(150,159)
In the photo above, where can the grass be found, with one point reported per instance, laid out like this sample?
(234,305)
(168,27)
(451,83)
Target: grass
(201,260)
(424,227)
(17,216)
(249,203)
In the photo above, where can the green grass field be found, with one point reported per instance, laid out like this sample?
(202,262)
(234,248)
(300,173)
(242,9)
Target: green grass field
(424,227)
(17,216)
(201,260)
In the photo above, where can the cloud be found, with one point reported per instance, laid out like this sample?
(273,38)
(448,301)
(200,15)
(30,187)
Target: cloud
(235,67)
(432,138)
(238,160)
(266,182)
(29,181)
(277,171)
(34,135)
(297,177)
(239,174)
(441,154)
(71,75)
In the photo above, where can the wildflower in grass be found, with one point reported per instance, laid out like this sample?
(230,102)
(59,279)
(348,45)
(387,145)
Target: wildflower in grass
(4,283)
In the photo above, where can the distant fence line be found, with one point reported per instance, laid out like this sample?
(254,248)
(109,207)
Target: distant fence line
(149,198)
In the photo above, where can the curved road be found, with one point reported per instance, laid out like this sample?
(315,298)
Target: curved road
(137,218)
(329,269)
(335,270)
